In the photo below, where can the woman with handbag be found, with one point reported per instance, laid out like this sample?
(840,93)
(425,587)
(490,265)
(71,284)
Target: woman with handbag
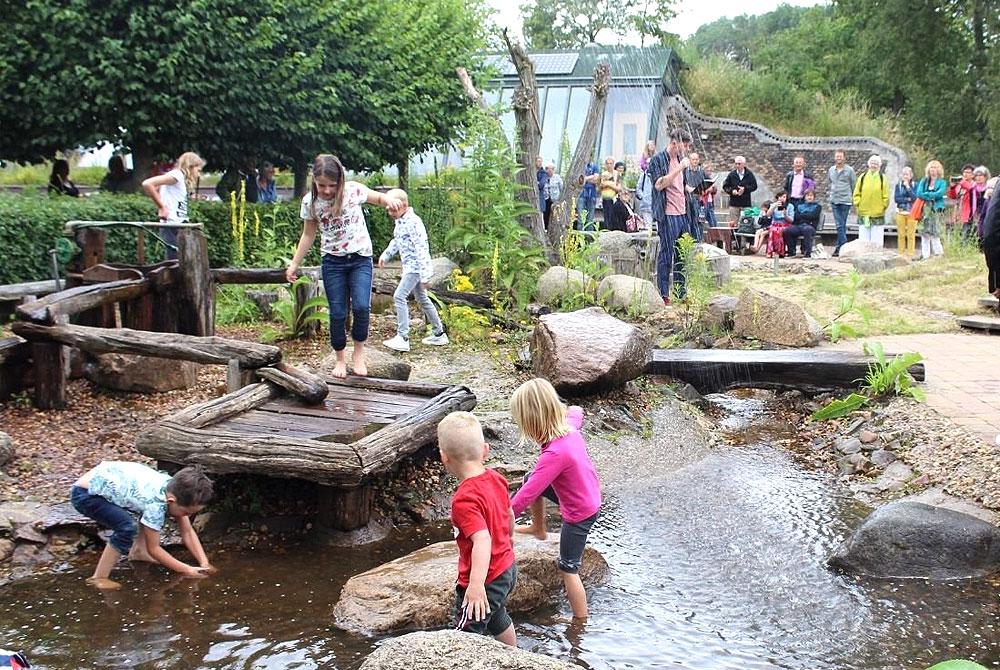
(931,190)
(904,196)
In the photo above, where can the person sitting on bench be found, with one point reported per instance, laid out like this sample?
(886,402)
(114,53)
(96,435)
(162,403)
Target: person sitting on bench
(763,225)
(806,222)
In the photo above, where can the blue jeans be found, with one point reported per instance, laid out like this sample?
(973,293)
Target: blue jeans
(348,278)
(169,236)
(710,219)
(840,213)
(410,283)
(588,204)
(106,513)
(670,229)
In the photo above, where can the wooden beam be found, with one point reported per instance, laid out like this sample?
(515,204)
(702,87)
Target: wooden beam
(160,345)
(392,385)
(81,298)
(345,509)
(196,295)
(219,409)
(50,375)
(14,355)
(385,286)
(309,387)
(715,370)
(249,276)
(17,292)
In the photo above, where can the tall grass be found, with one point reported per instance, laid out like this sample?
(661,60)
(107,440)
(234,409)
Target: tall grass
(719,87)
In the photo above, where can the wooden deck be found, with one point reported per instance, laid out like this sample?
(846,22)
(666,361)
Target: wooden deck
(988,324)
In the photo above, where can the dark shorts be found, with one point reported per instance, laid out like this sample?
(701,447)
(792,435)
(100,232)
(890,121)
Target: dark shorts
(572,536)
(497,592)
(123,527)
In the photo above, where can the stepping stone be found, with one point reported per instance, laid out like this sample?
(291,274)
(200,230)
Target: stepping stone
(990,324)
(989,302)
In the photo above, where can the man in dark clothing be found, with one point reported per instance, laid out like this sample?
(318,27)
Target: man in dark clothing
(991,244)
(669,198)
(543,182)
(739,184)
(806,219)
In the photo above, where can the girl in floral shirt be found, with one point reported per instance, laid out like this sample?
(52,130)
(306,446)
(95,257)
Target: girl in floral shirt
(333,207)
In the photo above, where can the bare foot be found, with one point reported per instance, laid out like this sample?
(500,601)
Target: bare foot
(359,365)
(103,583)
(540,533)
(340,369)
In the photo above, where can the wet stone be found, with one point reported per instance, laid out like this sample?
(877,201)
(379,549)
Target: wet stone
(6,549)
(26,533)
(6,449)
(852,463)
(850,446)
(18,513)
(30,554)
(883,457)
(867,437)
(895,476)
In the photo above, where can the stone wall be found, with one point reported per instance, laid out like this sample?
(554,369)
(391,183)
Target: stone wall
(769,155)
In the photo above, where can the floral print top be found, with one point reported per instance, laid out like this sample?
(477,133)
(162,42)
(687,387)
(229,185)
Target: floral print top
(409,240)
(344,234)
(135,487)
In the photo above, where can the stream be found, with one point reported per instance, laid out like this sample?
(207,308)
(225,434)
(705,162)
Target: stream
(717,562)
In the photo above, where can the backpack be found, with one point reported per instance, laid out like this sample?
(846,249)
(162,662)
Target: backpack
(881,180)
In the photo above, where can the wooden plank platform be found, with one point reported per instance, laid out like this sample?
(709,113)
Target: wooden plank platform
(715,370)
(989,324)
(989,302)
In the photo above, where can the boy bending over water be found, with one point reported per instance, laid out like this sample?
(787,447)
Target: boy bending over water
(113,491)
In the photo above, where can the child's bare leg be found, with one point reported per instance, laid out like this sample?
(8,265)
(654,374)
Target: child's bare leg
(577,595)
(340,368)
(537,527)
(508,636)
(358,360)
(105,564)
(140,553)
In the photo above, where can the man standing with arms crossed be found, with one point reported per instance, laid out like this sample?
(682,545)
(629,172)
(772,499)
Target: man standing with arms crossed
(670,212)
(842,180)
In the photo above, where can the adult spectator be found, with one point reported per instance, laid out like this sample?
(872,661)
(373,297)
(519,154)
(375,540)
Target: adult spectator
(644,198)
(118,179)
(805,222)
(960,190)
(694,178)
(991,245)
(267,191)
(798,181)
(871,198)
(553,192)
(586,203)
(980,177)
(647,152)
(991,185)
(666,169)
(708,198)
(59,181)
(739,184)
(610,187)
(932,190)
(543,182)
(842,181)
(906,226)
(234,178)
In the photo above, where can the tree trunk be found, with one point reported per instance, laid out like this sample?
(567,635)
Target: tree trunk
(142,167)
(529,138)
(560,218)
(196,290)
(403,167)
(301,171)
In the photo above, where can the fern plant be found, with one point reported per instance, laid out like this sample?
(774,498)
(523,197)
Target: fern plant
(885,378)
(294,317)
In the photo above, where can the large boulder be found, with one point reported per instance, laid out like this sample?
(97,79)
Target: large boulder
(441,273)
(454,650)
(630,294)
(141,374)
(719,261)
(558,283)
(614,242)
(856,248)
(587,351)
(417,591)
(910,539)
(721,312)
(6,449)
(381,364)
(867,264)
(766,317)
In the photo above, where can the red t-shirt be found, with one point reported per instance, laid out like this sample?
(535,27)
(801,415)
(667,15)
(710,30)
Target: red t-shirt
(482,502)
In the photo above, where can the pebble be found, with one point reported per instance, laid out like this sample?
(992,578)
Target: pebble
(867,437)
(883,457)
(849,446)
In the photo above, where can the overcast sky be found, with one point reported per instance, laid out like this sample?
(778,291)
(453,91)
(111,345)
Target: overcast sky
(690,13)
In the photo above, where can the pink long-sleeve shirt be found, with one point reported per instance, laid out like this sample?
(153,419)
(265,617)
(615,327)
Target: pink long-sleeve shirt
(566,466)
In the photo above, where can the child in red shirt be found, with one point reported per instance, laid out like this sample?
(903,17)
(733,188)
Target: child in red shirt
(483,523)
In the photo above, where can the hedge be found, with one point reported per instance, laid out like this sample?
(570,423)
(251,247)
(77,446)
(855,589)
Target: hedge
(30,225)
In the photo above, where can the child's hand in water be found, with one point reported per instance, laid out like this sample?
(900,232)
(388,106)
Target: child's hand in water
(196,572)
(209,569)
(475,604)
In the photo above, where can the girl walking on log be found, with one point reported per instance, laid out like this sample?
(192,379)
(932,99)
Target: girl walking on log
(170,193)
(333,207)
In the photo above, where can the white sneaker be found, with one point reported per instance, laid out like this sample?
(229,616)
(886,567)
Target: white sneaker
(439,340)
(397,344)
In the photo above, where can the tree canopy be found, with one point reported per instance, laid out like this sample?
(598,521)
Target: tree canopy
(569,24)
(237,79)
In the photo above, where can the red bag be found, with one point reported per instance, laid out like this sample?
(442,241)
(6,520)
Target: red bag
(917,209)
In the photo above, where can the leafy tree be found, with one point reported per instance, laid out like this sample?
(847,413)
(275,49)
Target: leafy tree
(567,24)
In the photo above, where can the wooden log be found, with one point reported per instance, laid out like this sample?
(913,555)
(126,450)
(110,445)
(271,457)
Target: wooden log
(14,355)
(306,385)
(379,451)
(715,370)
(989,324)
(196,295)
(227,452)
(217,350)
(228,406)
(392,385)
(164,305)
(345,509)
(237,376)
(385,286)
(50,375)
(249,275)
(81,298)
(92,241)
(17,292)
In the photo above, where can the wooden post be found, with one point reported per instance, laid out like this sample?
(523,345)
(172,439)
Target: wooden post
(50,375)
(93,242)
(140,247)
(14,353)
(196,296)
(303,293)
(237,377)
(345,509)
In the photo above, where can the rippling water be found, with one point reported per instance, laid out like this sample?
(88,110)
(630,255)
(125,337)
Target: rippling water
(718,565)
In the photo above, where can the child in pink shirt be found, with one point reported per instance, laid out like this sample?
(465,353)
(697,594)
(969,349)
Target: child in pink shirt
(564,474)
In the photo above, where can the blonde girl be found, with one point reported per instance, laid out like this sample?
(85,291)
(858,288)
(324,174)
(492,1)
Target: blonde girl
(333,207)
(564,474)
(906,225)
(170,194)
(932,189)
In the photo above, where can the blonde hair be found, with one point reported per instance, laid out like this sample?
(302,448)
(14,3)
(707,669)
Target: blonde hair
(934,164)
(538,412)
(186,163)
(330,167)
(460,437)
(400,195)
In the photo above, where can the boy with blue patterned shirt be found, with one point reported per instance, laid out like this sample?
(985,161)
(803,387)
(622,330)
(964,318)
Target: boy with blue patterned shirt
(113,491)
(409,240)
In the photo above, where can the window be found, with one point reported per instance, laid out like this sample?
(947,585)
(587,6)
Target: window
(627,118)
(579,102)
(553,124)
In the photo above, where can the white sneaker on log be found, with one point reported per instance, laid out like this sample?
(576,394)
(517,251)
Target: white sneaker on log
(397,344)
(439,340)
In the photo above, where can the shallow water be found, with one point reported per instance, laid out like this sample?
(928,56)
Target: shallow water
(716,565)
